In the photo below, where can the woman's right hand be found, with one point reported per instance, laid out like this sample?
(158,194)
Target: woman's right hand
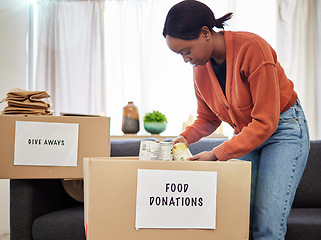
(179,139)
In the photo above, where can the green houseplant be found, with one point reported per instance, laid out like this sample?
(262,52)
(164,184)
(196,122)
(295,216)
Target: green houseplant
(155,122)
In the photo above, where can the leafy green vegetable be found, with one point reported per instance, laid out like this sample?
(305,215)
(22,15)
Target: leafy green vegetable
(155,116)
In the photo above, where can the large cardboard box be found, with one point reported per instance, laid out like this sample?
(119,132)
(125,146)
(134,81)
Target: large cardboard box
(93,140)
(110,199)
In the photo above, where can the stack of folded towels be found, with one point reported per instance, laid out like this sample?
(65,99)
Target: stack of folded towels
(26,102)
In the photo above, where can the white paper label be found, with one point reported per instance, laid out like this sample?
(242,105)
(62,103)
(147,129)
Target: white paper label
(46,144)
(176,199)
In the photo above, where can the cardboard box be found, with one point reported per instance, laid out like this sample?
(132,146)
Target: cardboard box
(110,199)
(93,140)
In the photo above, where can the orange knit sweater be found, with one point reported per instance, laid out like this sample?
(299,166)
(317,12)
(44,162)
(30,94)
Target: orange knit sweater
(257,91)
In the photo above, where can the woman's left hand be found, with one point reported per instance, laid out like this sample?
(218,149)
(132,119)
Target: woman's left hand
(204,156)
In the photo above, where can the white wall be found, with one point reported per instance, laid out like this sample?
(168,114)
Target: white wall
(13,60)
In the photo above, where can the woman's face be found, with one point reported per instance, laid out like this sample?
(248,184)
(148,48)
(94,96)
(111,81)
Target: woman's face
(196,51)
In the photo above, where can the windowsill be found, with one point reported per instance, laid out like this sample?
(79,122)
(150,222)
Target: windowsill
(157,136)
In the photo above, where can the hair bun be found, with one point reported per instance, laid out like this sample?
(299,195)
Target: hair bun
(220,22)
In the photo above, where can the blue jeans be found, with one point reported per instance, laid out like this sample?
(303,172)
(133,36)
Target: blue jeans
(277,167)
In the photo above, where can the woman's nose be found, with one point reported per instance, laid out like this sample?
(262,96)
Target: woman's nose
(186,59)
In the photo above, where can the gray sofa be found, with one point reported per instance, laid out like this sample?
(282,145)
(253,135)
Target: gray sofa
(41,209)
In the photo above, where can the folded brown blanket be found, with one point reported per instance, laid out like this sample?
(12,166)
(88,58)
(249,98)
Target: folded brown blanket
(26,102)
(15,110)
(20,95)
(29,104)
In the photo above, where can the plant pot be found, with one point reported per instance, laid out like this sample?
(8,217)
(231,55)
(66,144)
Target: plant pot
(155,127)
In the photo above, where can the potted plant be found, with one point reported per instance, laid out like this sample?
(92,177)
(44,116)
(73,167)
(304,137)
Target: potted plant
(155,122)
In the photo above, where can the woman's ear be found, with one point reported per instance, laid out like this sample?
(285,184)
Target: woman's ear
(205,33)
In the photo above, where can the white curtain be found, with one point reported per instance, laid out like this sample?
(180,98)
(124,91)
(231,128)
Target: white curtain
(70,58)
(298,47)
(141,68)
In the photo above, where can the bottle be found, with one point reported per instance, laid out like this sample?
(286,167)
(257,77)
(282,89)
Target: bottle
(130,121)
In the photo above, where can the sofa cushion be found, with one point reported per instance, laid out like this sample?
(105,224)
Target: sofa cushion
(67,224)
(304,224)
(31,198)
(308,194)
(126,148)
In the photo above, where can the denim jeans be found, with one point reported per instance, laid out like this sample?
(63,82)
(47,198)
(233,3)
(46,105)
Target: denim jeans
(277,167)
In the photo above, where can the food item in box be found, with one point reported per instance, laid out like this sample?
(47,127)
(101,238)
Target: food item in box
(149,150)
(181,152)
(166,151)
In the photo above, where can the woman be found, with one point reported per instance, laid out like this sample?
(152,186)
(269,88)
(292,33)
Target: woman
(238,79)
